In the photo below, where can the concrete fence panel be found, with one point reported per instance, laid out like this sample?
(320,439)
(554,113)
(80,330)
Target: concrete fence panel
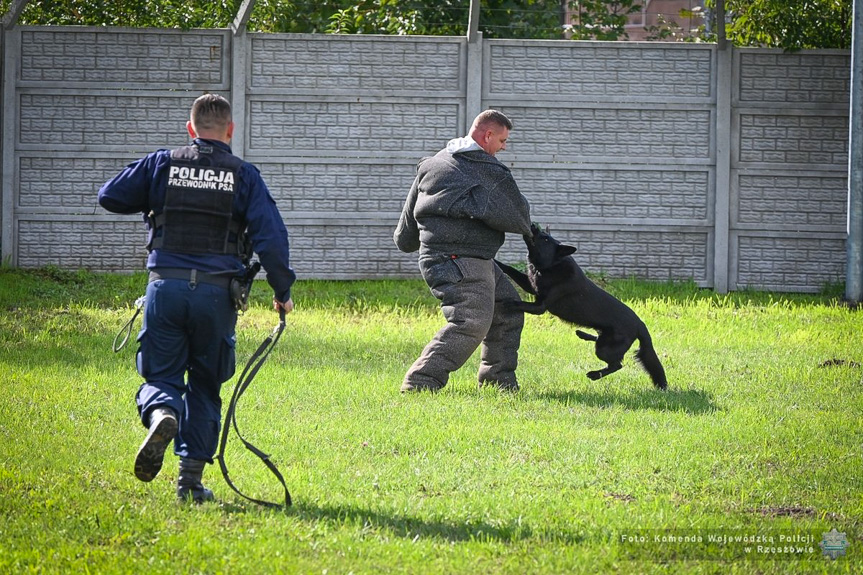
(657,160)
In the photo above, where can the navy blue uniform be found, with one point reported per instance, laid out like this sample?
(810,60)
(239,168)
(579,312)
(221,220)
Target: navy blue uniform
(189,327)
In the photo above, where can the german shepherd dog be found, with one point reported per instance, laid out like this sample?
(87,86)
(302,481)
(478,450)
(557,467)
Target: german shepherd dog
(562,289)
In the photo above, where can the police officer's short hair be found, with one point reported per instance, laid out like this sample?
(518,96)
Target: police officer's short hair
(493,117)
(211,112)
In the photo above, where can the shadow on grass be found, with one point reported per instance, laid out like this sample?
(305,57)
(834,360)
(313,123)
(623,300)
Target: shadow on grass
(691,401)
(414,528)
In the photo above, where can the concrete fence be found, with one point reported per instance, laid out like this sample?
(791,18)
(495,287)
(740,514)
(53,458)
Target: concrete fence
(659,161)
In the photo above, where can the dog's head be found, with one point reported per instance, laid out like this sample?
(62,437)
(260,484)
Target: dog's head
(543,251)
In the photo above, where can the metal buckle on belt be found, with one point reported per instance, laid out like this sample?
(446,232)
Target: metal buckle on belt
(193,279)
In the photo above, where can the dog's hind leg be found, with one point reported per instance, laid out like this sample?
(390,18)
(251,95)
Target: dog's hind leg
(600,373)
(611,350)
(585,336)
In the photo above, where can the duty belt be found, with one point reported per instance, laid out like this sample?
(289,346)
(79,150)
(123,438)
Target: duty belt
(192,276)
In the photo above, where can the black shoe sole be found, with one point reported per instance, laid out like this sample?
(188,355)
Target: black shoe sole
(148,462)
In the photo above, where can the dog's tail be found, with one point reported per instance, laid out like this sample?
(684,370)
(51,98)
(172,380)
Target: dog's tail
(648,359)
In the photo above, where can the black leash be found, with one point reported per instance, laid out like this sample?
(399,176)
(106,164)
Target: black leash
(251,369)
(139,304)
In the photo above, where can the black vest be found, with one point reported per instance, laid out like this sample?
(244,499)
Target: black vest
(197,215)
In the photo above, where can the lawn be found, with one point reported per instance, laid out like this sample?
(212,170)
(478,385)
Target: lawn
(745,465)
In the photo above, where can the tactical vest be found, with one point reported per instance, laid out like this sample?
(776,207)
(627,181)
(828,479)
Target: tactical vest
(197,215)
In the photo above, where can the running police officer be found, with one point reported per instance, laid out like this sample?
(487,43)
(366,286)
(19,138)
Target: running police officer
(206,210)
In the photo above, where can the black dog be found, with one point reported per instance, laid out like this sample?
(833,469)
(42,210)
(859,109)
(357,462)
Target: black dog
(562,289)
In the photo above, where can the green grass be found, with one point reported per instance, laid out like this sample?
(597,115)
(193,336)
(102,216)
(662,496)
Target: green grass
(759,434)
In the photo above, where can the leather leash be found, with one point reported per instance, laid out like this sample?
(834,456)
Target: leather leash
(251,369)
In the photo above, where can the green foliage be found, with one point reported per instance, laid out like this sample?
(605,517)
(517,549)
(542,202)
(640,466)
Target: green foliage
(388,17)
(539,19)
(293,16)
(601,19)
(133,13)
(668,30)
(498,18)
(788,24)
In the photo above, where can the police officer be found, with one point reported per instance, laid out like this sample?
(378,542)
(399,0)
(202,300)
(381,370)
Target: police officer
(205,210)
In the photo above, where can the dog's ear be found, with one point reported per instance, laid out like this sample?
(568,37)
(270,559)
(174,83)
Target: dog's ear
(547,229)
(564,250)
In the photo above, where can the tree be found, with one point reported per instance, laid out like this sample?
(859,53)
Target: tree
(294,16)
(601,19)
(788,24)
(667,29)
(134,13)
(401,17)
(498,18)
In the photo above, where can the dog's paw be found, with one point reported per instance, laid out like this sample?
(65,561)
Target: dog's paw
(594,375)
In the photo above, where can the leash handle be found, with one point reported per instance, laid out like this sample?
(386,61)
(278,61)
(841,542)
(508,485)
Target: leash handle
(127,328)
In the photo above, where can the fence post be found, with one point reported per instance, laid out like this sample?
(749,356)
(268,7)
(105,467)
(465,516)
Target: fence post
(11,48)
(239,46)
(854,271)
(10,18)
(239,54)
(722,219)
(473,86)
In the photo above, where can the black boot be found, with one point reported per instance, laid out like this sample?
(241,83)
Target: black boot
(189,486)
(163,429)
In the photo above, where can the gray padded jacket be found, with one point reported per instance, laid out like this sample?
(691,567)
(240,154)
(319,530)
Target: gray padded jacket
(462,204)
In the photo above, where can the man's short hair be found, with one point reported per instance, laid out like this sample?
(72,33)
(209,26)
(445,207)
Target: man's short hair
(211,112)
(492,117)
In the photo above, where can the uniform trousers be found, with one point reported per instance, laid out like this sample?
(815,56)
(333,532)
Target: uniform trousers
(186,351)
